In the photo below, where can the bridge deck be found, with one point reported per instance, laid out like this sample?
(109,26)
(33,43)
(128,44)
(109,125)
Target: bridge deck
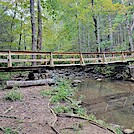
(19,60)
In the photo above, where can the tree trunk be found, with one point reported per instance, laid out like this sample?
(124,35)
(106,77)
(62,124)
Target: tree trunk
(95,26)
(39,37)
(121,34)
(130,28)
(79,36)
(83,38)
(33,27)
(11,84)
(20,38)
(98,34)
(89,47)
(12,24)
(111,33)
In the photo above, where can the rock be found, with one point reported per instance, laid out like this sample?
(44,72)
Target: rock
(132,79)
(31,76)
(74,84)
(128,131)
(99,79)
(115,126)
(131,70)
(76,81)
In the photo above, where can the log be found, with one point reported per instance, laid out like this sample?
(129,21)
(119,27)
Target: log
(10,84)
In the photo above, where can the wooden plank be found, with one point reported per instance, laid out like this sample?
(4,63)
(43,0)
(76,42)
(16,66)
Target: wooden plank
(3,61)
(57,53)
(30,60)
(66,65)
(71,59)
(32,53)
(91,59)
(66,53)
(4,53)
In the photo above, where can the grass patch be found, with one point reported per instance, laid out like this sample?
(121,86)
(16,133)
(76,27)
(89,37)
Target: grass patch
(9,131)
(14,95)
(4,76)
(63,93)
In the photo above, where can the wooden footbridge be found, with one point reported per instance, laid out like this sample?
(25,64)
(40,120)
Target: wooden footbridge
(19,60)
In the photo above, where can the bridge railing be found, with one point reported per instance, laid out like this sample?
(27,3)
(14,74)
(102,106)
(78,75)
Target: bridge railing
(27,58)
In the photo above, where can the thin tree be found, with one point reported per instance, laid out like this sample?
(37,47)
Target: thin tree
(33,27)
(39,36)
(12,24)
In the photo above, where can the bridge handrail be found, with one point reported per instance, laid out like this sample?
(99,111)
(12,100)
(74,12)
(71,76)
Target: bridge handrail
(60,53)
(73,57)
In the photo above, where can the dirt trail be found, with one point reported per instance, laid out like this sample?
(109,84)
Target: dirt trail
(32,116)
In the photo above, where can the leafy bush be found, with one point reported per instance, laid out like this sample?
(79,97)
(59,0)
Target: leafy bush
(107,70)
(14,95)
(9,131)
(63,92)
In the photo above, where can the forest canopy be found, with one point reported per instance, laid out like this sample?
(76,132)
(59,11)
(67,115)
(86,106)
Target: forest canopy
(67,25)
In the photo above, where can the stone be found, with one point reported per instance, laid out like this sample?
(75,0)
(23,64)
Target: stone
(99,79)
(76,81)
(128,131)
(132,79)
(74,84)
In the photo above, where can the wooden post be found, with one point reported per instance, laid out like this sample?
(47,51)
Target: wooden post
(51,60)
(46,58)
(9,59)
(95,56)
(72,61)
(123,57)
(113,57)
(104,58)
(81,59)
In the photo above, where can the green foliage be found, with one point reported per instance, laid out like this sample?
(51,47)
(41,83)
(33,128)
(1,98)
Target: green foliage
(46,93)
(62,109)
(107,70)
(61,19)
(13,95)
(63,90)
(118,131)
(5,76)
(64,93)
(92,117)
(9,131)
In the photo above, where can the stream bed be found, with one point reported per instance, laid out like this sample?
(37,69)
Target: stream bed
(112,102)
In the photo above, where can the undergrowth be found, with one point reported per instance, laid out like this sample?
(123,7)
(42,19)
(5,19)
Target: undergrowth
(8,130)
(13,95)
(64,100)
(63,93)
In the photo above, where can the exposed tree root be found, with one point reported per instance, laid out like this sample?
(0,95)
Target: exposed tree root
(84,118)
(55,118)
(6,116)
(2,129)
(8,110)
